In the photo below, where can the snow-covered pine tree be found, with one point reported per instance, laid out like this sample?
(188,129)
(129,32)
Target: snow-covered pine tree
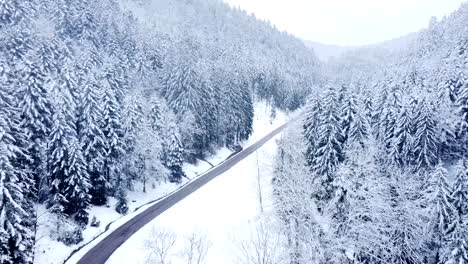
(16,234)
(247,112)
(338,206)
(113,137)
(329,146)
(426,139)
(460,189)
(174,157)
(182,89)
(206,118)
(450,147)
(48,54)
(348,112)
(443,216)
(462,103)
(379,110)
(136,128)
(458,245)
(68,179)
(15,12)
(121,195)
(19,158)
(132,119)
(76,183)
(360,128)
(311,124)
(402,223)
(389,115)
(231,110)
(92,140)
(36,112)
(115,79)
(149,152)
(155,114)
(86,23)
(455,83)
(401,148)
(142,63)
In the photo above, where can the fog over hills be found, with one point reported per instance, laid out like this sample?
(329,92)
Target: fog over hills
(325,52)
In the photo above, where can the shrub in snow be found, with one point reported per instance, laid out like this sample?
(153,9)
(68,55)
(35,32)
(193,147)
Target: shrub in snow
(121,207)
(122,204)
(95,222)
(71,236)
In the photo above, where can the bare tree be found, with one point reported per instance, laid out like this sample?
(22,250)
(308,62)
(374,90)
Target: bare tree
(196,248)
(263,247)
(259,185)
(159,244)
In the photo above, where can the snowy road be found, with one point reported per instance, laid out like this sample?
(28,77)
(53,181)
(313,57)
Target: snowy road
(102,251)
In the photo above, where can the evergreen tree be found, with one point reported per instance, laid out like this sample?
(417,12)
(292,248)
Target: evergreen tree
(443,215)
(58,157)
(122,204)
(348,115)
(401,149)
(182,89)
(388,117)
(360,128)
(92,140)
(155,115)
(329,147)
(48,54)
(174,157)
(459,245)
(76,184)
(14,12)
(339,204)
(462,102)
(16,235)
(460,188)
(311,124)
(136,127)
(113,137)
(247,112)
(36,113)
(455,84)
(426,140)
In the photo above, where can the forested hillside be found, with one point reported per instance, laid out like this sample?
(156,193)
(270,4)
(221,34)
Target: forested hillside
(377,171)
(95,97)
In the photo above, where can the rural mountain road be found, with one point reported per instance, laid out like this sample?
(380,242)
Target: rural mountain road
(100,253)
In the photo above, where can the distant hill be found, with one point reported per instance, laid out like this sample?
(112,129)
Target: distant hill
(325,52)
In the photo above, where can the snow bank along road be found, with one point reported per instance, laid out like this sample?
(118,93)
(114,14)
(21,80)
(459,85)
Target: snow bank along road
(104,249)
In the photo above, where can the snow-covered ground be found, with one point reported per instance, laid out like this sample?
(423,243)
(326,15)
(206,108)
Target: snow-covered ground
(226,212)
(49,251)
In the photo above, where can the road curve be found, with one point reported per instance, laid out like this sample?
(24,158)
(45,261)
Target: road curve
(100,253)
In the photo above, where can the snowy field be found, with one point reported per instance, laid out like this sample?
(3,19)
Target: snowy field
(225,212)
(49,251)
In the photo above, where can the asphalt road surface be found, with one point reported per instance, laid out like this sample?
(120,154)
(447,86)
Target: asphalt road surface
(104,249)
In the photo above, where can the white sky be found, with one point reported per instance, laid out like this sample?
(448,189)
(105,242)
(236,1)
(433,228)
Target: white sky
(348,22)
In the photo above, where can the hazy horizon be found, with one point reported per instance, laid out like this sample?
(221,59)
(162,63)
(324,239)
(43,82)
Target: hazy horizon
(350,23)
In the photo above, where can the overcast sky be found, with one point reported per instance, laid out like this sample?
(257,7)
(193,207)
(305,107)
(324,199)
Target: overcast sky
(348,22)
